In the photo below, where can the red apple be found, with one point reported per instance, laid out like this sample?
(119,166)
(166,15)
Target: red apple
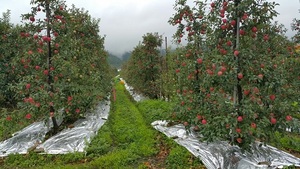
(272,97)
(260,76)
(255,90)
(28,86)
(238,130)
(204,122)
(182,103)
(245,16)
(253,125)
(212,4)
(229,43)
(37,67)
(233,22)
(55,34)
(199,60)
(223,27)
(188,28)
(35,36)
(236,53)
(246,92)
(240,76)
(288,118)
(220,73)
(28,116)
(240,118)
(46,72)
(223,69)
(254,29)
(266,37)
(242,32)
(273,120)
(210,72)
(31,18)
(239,140)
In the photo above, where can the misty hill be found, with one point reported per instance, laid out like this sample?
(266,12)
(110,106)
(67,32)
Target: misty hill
(114,61)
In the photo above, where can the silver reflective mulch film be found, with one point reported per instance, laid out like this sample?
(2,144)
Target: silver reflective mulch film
(223,155)
(23,140)
(137,97)
(75,139)
(67,141)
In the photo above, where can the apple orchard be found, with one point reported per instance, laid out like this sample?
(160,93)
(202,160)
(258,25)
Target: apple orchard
(236,79)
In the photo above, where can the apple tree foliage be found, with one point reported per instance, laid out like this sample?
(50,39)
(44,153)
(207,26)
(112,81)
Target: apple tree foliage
(61,66)
(296,68)
(142,70)
(234,76)
(10,47)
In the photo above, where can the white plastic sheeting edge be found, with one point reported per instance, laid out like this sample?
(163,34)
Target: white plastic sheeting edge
(24,139)
(67,141)
(222,155)
(137,97)
(76,139)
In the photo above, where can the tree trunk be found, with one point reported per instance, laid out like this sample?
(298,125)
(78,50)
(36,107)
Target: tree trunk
(49,59)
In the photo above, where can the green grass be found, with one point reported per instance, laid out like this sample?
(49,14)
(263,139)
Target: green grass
(126,140)
(155,110)
(287,141)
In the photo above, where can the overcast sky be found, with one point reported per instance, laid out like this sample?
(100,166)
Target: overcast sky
(124,22)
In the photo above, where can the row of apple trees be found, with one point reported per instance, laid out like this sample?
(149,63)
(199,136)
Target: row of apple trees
(235,78)
(54,63)
(142,70)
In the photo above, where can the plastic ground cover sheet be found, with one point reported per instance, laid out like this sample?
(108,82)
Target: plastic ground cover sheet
(224,156)
(75,139)
(67,141)
(137,97)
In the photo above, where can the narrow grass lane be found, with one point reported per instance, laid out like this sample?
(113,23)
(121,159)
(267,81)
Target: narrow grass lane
(130,138)
(133,143)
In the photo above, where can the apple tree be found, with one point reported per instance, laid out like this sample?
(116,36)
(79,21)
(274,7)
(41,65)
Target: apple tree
(233,75)
(142,71)
(64,71)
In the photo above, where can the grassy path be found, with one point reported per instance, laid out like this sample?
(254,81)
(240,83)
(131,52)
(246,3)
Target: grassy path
(130,138)
(126,140)
(133,141)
